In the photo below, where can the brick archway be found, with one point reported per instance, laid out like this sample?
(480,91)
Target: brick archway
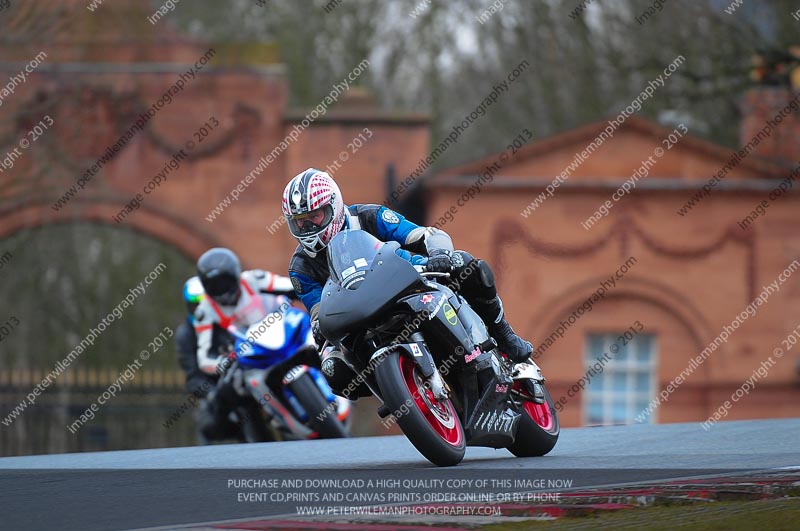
(164,226)
(678,324)
(648,291)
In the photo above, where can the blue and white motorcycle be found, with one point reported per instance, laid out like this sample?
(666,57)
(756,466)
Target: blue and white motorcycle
(277,363)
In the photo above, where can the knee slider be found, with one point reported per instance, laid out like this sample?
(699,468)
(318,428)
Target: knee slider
(338,374)
(485,274)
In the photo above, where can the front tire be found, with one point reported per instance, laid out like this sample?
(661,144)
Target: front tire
(308,394)
(252,425)
(538,429)
(432,426)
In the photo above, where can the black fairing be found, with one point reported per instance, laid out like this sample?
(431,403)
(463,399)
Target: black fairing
(452,322)
(343,311)
(384,290)
(451,334)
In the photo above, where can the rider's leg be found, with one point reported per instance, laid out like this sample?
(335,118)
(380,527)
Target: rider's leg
(474,279)
(213,423)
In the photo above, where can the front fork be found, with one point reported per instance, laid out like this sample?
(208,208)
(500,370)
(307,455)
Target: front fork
(418,349)
(428,367)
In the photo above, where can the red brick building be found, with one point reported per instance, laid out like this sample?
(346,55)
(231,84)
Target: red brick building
(683,278)
(101,76)
(679,279)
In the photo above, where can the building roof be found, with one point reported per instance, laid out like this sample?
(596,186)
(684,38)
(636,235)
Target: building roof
(635,139)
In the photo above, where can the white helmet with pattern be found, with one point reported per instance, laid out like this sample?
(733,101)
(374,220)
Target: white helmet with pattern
(314,210)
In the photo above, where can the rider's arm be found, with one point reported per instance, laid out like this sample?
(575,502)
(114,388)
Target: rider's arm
(197,382)
(268,282)
(204,328)
(308,289)
(392,226)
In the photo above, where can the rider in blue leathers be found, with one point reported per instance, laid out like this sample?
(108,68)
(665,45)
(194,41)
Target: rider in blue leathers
(315,212)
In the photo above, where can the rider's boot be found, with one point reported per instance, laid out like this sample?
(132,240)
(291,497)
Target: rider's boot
(491,311)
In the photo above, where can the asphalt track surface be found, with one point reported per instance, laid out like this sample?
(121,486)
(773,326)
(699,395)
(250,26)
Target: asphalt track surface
(164,487)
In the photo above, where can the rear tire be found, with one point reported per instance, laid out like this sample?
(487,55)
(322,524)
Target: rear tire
(538,428)
(308,394)
(442,442)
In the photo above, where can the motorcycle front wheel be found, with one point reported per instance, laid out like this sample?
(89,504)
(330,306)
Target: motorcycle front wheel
(252,425)
(432,425)
(320,418)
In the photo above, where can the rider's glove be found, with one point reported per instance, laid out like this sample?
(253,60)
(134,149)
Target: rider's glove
(440,261)
(318,337)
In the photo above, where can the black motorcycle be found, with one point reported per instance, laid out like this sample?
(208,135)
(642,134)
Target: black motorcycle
(423,351)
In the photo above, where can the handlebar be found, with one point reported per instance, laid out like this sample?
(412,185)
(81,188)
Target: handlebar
(434,274)
(422,270)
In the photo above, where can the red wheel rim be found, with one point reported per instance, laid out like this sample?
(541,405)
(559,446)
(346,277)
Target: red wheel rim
(539,413)
(440,414)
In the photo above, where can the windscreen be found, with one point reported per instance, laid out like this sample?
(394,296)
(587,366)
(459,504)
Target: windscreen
(350,255)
